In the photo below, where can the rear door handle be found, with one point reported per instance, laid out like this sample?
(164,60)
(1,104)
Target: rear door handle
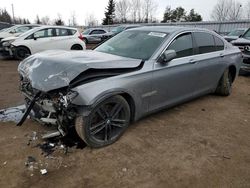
(221,54)
(192,61)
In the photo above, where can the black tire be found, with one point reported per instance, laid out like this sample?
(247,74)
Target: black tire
(224,87)
(21,52)
(76,47)
(106,122)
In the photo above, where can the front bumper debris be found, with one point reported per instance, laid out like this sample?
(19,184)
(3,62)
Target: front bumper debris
(29,108)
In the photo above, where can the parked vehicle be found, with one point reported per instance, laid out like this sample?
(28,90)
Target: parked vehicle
(43,38)
(121,28)
(95,35)
(244,45)
(16,30)
(235,34)
(137,72)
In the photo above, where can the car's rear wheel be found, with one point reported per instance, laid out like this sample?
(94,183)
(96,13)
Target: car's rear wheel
(106,122)
(76,47)
(224,87)
(21,53)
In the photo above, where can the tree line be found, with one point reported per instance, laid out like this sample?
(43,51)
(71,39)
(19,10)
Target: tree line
(143,11)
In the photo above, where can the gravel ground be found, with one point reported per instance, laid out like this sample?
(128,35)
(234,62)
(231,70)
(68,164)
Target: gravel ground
(203,143)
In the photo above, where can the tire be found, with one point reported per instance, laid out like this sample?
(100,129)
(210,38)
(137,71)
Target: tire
(21,52)
(224,87)
(76,47)
(106,122)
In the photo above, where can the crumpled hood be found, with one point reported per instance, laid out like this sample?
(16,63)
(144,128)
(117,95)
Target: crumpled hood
(9,38)
(241,40)
(55,69)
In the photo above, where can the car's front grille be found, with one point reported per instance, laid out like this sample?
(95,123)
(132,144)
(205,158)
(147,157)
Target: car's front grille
(244,48)
(246,61)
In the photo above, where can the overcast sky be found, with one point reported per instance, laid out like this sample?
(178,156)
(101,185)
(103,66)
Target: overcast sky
(30,8)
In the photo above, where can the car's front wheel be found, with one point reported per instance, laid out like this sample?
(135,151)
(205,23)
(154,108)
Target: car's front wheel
(106,122)
(224,87)
(21,52)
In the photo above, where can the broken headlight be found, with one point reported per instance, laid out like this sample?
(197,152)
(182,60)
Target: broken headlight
(7,43)
(68,98)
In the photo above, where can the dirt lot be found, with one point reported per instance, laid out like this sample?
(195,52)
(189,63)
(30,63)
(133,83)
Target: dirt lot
(203,143)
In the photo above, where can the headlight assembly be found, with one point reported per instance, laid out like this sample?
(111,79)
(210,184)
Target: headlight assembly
(7,43)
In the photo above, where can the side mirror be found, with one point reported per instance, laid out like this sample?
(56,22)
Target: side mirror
(35,36)
(240,36)
(12,32)
(167,56)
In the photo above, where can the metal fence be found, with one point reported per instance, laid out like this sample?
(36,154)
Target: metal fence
(220,27)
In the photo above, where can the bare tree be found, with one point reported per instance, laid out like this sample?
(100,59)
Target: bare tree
(227,10)
(91,20)
(72,20)
(247,10)
(137,12)
(45,20)
(149,7)
(122,10)
(235,13)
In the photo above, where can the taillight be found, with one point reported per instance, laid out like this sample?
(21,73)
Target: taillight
(81,37)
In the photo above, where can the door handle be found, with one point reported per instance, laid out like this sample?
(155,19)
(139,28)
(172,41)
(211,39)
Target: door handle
(192,61)
(221,54)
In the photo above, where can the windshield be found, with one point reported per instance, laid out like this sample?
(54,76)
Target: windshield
(236,32)
(31,31)
(247,34)
(117,29)
(86,32)
(135,44)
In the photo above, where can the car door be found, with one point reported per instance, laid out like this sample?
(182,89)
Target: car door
(41,40)
(210,61)
(96,35)
(65,38)
(175,81)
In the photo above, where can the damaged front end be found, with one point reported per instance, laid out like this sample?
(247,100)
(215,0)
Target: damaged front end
(47,81)
(51,108)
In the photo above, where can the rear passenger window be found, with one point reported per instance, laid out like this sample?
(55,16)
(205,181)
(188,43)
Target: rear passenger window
(205,42)
(65,32)
(72,32)
(97,32)
(62,32)
(219,43)
(183,45)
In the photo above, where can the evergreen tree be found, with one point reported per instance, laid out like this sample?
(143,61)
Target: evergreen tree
(5,16)
(109,13)
(179,14)
(38,21)
(59,22)
(193,16)
(167,15)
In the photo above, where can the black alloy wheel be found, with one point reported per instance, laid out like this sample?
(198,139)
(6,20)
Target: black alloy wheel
(106,122)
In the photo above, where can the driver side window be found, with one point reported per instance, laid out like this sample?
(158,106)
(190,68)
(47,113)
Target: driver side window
(183,45)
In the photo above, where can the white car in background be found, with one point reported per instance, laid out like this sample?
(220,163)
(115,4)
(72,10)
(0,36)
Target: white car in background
(41,39)
(16,30)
